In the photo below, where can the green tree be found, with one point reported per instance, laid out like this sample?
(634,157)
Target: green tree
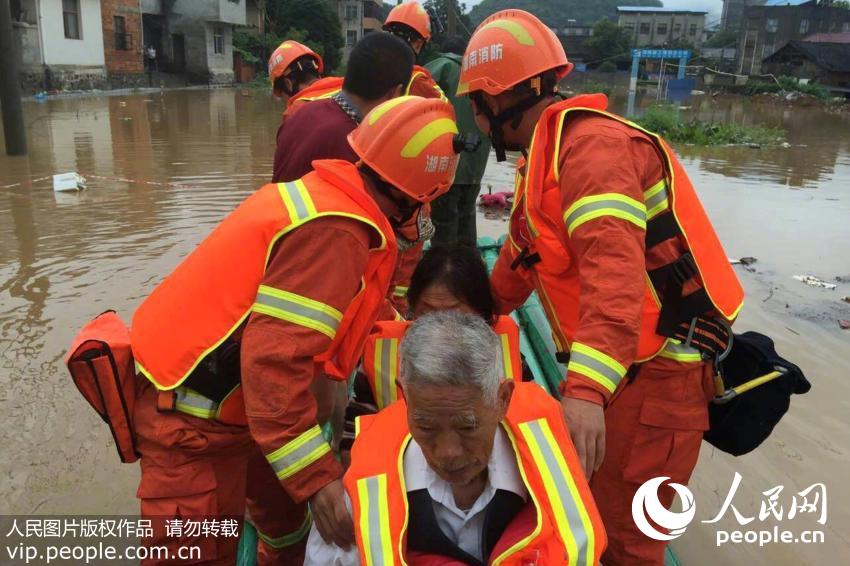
(439,11)
(609,41)
(257,49)
(317,19)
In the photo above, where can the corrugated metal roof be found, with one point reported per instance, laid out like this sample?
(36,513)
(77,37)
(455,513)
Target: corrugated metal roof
(649,9)
(787,2)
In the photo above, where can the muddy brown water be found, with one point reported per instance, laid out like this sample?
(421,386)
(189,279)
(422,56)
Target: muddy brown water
(164,168)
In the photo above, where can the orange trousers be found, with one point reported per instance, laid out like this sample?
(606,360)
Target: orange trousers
(654,427)
(195,469)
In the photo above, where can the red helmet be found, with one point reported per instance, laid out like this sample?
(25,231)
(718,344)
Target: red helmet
(410,142)
(285,55)
(507,49)
(413,15)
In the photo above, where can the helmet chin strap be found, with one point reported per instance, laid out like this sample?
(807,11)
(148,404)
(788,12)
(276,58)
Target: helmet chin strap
(514,115)
(538,87)
(405,209)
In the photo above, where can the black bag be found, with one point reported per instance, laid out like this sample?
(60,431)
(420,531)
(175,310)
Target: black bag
(741,422)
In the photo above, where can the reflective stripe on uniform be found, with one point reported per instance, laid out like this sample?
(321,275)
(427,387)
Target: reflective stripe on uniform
(655,199)
(507,362)
(296,455)
(609,204)
(288,539)
(571,517)
(193,403)
(374,521)
(399,291)
(297,309)
(596,365)
(386,371)
(297,199)
(675,350)
(427,134)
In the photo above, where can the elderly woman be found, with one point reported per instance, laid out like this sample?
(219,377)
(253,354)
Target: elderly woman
(468,467)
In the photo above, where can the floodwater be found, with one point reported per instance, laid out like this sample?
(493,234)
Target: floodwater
(164,168)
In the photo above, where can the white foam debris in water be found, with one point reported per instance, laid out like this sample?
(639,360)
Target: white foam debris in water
(814,281)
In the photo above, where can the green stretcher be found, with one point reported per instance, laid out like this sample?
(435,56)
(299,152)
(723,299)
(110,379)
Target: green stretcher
(538,352)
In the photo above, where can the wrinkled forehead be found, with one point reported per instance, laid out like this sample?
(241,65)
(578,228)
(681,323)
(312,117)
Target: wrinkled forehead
(463,418)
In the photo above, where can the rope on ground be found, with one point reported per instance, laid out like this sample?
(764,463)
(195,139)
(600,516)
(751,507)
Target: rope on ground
(39,180)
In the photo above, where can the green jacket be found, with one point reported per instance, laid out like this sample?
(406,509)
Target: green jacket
(446,71)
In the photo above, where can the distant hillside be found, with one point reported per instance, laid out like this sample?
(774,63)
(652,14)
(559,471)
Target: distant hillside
(556,13)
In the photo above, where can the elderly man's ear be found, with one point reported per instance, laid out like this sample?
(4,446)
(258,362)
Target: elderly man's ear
(506,391)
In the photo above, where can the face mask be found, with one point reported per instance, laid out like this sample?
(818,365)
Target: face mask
(416,229)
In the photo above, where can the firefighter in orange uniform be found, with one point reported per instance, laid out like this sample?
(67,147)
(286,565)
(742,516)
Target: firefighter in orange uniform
(410,22)
(468,468)
(608,229)
(295,71)
(283,292)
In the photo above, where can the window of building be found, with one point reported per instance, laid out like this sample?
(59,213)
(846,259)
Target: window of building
(630,29)
(644,28)
(351,11)
(71,18)
(218,40)
(350,37)
(661,29)
(772,25)
(122,38)
(804,26)
(677,29)
(692,30)
(846,27)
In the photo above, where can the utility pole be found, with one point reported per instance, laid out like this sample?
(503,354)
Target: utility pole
(451,23)
(10,88)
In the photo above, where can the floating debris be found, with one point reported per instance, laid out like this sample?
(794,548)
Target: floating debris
(813,281)
(68,182)
(745,261)
(844,324)
(846,299)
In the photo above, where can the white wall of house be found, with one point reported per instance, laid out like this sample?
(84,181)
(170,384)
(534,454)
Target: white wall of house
(59,50)
(219,62)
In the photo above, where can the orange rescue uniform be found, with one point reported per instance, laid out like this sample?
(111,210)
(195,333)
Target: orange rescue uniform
(293,279)
(323,88)
(577,236)
(423,84)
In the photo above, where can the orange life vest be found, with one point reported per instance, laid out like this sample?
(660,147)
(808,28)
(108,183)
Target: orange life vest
(212,292)
(323,88)
(423,84)
(537,224)
(381,356)
(567,528)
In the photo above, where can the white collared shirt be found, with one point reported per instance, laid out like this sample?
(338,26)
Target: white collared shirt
(464,528)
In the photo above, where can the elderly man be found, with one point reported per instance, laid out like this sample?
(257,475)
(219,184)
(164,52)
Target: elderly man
(468,468)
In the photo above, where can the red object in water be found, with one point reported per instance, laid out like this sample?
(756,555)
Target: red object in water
(501,199)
